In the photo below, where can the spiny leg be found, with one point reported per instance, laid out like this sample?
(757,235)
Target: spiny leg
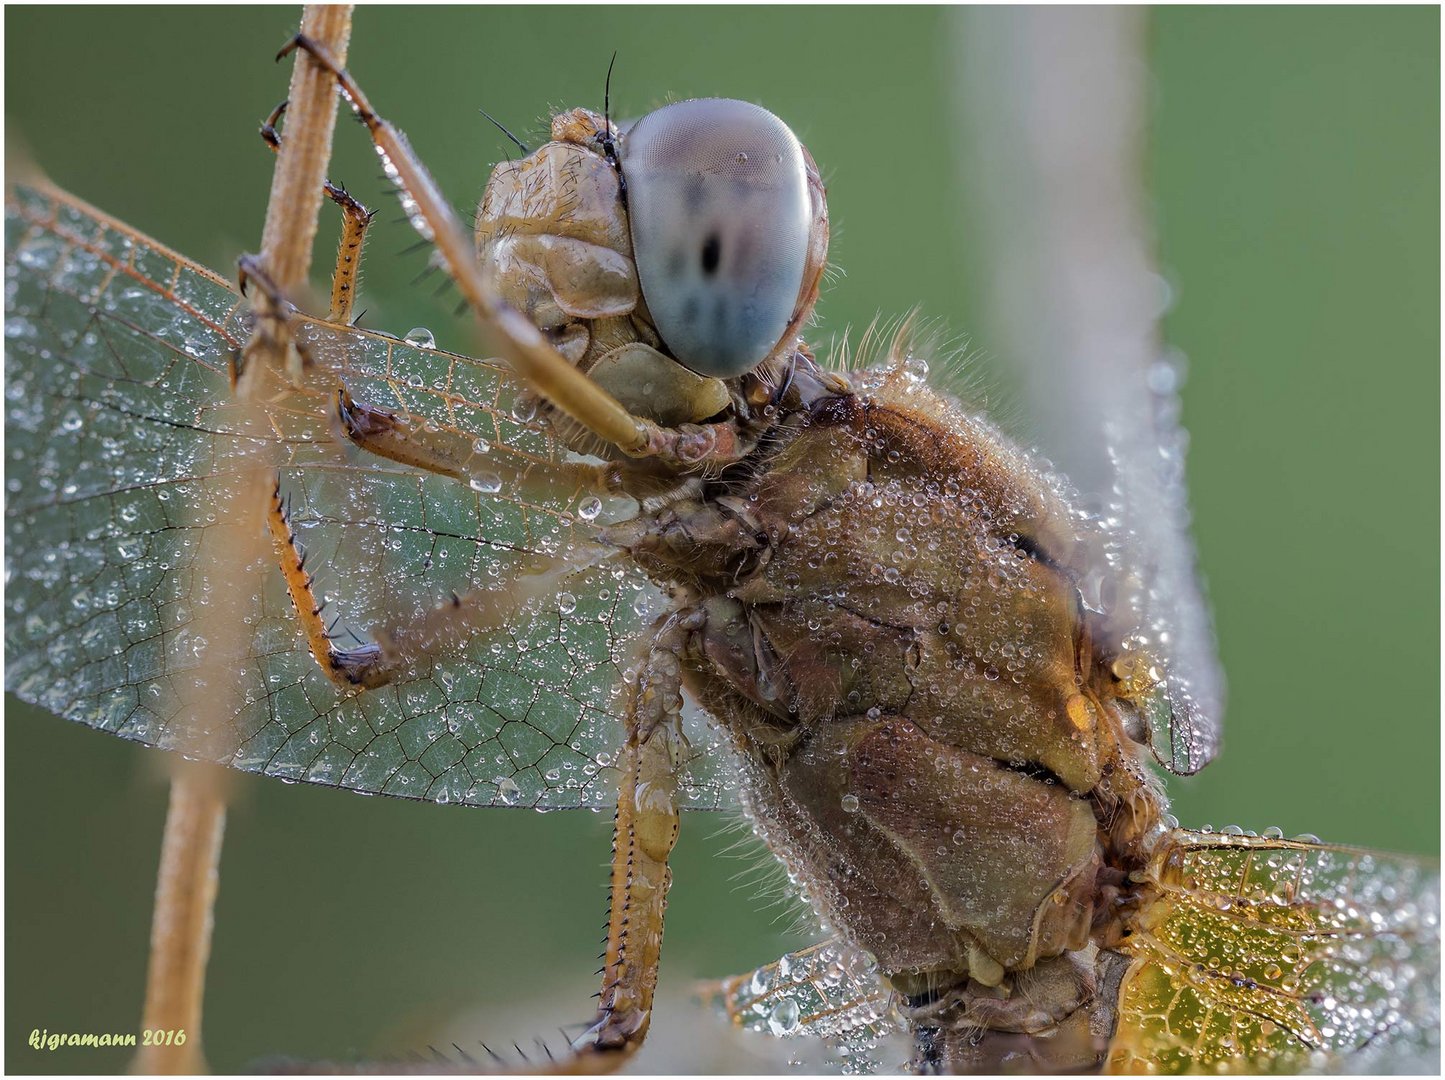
(398,648)
(272,349)
(546,371)
(355,220)
(354,667)
(643,837)
(644,832)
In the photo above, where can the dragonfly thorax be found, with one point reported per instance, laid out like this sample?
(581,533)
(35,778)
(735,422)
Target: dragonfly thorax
(894,640)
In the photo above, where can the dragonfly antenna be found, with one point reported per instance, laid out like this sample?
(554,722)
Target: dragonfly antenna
(607,93)
(609,145)
(520,144)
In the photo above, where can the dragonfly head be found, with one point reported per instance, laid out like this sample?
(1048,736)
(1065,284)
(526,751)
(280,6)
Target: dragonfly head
(675,262)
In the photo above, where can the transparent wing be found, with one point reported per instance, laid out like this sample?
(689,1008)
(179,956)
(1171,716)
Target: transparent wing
(829,990)
(1057,107)
(118,427)
(1272,955)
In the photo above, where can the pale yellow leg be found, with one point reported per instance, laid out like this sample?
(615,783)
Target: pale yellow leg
(643,836)
(455,454)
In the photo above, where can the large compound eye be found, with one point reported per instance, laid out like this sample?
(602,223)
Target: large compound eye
(718,200)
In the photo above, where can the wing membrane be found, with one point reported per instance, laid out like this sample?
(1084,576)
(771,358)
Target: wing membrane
(119,430)
(828,990)
(1278,956)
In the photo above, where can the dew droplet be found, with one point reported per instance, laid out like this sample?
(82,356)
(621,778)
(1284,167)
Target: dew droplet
(783,1020)
(421,338)
(589,508)
(487,483)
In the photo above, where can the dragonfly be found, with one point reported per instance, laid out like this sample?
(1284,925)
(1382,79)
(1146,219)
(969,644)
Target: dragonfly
(700,791)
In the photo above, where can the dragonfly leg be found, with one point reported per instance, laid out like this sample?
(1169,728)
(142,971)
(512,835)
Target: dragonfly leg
(397,649)
(458,456)
(644,833)
(355,220)
(444,451)
(690,447)
(461,457)
(355,667)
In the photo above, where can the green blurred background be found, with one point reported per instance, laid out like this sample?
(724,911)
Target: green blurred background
(1296,170)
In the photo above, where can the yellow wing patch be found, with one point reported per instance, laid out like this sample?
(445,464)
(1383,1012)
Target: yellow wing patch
(1262,954)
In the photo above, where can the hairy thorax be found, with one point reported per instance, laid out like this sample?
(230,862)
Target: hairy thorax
(895,641)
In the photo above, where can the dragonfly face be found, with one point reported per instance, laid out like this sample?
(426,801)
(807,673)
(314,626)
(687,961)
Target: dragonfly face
(842,169)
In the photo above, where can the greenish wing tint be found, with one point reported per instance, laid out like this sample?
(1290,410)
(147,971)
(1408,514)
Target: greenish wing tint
(1262,954)
(119,429)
